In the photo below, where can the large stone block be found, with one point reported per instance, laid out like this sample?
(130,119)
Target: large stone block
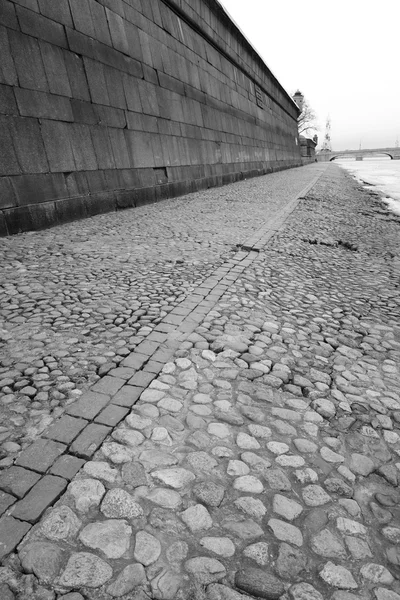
(56,137)
(7,194)
(18,481)
(83,112)
(103,149)
(100,23)
(77,76)
(79,43)
(31,4)
(11,533)
(30,218)
(40,27)
(131,89)
(8,18)
(140,149)
(89,405)
(115,87)
(28,145)
(97,204)
(8,158)
(132,36)
(171,83)
(56,11)
(97,82)
(28,61)
(82,17)
(42,495)
(40,187)
(108,115)
(119,148)
(118,6)
(82,148)
(8,73)
(149,98)
(42,105)
(70,209)
(117,29)
(56,71)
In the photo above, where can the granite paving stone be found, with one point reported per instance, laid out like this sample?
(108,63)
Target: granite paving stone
(258,456)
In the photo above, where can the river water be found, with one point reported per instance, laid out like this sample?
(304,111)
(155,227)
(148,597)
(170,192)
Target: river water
(382,173)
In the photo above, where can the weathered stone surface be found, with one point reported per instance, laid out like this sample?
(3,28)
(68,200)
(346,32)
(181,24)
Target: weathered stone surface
(42,559)
(248,483)
(236,468)
(251,506)
(376,574)
(286,532)
(201,461)
(119,504)
(217,591)
(306,446)
(304,591)
(338,576)
(328,545)
(246,530)
(176,478)
(350,527)
(129,578)
(117,453)
(85,570)
(86,493)
(362,465)
(205,570)
(177,552)
(134,474)
(314,495)
(291,562)
(277,480)
(358,548)
(219,430)
(147,548)
(165,586)
(60,524)
(165,498)
(259,583)
(101,470)
(259,552)
(330,456)
(385,594)
(128,437)
(247,442)
(111,537)
(222,546)
(209,493)
(197,518)
(286,507)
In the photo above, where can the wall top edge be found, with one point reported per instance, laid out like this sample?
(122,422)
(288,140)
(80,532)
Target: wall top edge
(217,7)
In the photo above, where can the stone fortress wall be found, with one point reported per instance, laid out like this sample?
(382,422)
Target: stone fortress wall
(107,104)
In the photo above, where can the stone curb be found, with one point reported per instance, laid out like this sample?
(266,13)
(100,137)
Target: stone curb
(260,238)
(43,471)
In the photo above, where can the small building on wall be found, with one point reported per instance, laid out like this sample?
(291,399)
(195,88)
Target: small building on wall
(307,147)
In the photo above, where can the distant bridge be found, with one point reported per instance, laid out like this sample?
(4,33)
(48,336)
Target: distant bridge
(394,154)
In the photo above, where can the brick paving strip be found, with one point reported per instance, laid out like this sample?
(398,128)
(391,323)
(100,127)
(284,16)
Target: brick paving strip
(43,471)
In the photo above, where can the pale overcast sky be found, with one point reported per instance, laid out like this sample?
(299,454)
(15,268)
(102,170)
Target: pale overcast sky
(343,55)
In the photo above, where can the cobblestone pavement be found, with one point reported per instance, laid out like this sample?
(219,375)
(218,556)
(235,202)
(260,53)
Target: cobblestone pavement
(262,460)
(76,299)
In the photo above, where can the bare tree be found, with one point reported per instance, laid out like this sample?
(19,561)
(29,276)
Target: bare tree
(307,120)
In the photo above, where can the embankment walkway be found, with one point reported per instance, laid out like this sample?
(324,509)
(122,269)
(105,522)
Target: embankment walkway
(239,436)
